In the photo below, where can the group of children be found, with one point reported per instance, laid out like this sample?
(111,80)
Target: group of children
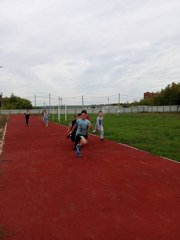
(79,127)
(44,115)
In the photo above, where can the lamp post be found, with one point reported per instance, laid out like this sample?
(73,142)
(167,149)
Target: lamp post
(1,101)
(1,95)
(59,114)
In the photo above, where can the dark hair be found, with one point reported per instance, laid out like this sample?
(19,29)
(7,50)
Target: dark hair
(84,111)
(79,114)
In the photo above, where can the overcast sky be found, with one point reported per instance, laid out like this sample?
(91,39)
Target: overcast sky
(96,48)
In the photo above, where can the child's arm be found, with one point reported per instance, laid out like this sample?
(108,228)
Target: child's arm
(97,123)
(69,127)
(73,128)
(89,126)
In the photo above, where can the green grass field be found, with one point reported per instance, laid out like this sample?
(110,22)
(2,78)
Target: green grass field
(157,133)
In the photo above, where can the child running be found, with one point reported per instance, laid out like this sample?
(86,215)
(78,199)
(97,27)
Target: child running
(27,115)
(45,117)
(99,125)
(72,134)
(83,125)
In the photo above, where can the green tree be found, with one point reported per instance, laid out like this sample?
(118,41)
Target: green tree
(168,96)
(15,102)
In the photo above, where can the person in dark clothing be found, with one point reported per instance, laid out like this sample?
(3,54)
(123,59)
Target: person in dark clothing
(27,115)
(70,134)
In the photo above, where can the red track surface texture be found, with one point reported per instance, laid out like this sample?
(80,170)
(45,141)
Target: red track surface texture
(112,193)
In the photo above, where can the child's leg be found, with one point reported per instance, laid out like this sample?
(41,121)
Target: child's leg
(94,131)
(83,141)
(101,132)
(77,145)
(77,140)
(46,121)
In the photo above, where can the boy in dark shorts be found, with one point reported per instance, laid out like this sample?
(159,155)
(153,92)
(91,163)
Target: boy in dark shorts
(82,126)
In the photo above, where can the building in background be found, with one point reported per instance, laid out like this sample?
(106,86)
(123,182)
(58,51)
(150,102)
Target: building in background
(149,95)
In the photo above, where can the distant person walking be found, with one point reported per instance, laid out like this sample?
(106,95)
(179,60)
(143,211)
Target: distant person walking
(27,115)
(99,125)
(45,117)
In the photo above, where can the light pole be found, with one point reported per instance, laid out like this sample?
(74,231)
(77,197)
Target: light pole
(59,114)
(1,101)
(1,95)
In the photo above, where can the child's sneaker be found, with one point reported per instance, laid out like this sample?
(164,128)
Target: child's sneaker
(78,153)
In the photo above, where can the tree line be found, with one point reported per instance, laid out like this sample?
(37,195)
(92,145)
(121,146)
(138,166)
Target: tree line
(14,102)
(168,96)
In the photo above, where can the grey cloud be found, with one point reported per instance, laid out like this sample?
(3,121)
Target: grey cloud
(89,47)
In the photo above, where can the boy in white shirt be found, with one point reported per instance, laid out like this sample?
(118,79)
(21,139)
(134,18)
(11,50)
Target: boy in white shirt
(99,125)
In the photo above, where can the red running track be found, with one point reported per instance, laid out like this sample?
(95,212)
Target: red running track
(112,193)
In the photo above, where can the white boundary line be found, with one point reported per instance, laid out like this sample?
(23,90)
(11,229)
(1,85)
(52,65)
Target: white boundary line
(149,153)
(2,142)
(168,159)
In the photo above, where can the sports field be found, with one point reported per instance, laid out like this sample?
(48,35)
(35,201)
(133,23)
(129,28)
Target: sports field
(113,192)
(157,133)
